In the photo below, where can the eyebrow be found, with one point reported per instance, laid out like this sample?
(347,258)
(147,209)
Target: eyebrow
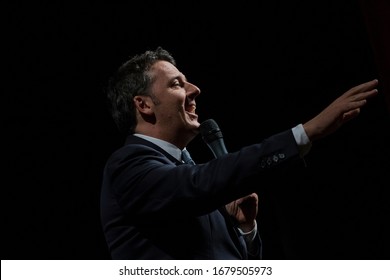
(180,76)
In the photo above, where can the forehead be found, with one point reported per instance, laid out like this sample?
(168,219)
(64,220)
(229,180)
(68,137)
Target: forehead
(165,69)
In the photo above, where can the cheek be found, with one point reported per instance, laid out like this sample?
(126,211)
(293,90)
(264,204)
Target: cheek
(171,107)
(175,107)
(170,112)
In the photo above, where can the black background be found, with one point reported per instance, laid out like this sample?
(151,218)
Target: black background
(262,66)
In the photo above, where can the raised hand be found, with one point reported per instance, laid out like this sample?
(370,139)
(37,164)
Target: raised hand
(340,111)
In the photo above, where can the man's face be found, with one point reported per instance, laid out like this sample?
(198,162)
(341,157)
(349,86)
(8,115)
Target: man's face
(175,105)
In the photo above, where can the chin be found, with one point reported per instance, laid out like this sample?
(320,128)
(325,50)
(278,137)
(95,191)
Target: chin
(194,123)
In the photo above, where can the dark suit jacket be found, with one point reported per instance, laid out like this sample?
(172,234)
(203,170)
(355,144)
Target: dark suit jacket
(154,207)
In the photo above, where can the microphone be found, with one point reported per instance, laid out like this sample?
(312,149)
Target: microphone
(212,136)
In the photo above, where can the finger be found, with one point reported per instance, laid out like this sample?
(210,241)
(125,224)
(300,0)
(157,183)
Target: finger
(250,197)
(359,100)
(254,195)
(366,94)
(351,114)
(363,87)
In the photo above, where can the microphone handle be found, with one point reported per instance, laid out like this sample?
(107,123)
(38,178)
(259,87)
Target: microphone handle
(217,147)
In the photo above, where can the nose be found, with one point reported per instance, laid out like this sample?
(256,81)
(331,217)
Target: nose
(191,89)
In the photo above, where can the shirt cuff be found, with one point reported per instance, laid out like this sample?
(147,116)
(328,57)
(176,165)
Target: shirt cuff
(302,140)
(250,235)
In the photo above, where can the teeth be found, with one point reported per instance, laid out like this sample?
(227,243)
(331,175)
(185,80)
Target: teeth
(191,108)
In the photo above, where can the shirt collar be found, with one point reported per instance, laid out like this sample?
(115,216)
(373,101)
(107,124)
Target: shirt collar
(166,146)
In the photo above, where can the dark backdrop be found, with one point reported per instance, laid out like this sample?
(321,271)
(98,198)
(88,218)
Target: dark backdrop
(262,66)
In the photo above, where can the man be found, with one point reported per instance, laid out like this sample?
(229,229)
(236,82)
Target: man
(155,206)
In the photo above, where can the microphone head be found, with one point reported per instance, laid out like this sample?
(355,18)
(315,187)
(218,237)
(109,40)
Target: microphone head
(210,131)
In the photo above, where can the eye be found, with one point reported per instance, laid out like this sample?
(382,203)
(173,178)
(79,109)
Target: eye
(177,83)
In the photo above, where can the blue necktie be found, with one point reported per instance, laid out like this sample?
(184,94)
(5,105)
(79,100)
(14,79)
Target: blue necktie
(185,155)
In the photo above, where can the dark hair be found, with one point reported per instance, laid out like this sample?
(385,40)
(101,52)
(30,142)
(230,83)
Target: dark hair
(132,79)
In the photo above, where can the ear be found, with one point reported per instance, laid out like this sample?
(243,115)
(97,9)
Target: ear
(143,104)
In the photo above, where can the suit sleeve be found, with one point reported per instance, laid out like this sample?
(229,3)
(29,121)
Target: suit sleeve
(149,187)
